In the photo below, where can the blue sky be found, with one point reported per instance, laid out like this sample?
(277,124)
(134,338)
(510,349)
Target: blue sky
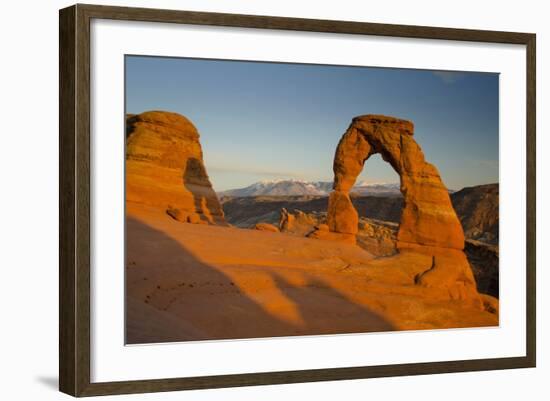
(263,121)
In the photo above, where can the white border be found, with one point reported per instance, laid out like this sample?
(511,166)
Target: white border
(112,361)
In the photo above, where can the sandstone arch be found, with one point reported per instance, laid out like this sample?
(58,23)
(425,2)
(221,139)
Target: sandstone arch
(429,224)
(428,217)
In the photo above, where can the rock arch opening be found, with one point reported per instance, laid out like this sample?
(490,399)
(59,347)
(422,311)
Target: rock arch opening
(376,194)
(377,171)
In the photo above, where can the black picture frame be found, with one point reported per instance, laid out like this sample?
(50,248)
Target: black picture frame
(74,199)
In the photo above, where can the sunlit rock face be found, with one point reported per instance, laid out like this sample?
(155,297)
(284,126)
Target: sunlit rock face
(429,224)
(428,216)
(165,168)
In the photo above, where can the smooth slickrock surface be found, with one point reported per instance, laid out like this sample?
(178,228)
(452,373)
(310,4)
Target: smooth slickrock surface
(198,282)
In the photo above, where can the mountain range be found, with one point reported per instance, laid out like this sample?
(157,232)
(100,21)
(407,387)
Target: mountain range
(476,207)
(315,188)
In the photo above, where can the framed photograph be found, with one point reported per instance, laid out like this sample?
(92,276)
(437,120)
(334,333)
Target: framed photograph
(250,200)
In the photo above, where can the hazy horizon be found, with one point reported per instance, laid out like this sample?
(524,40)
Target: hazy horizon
(264,121)
(359,182)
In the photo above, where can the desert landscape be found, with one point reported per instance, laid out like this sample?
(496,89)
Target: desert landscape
(290,257)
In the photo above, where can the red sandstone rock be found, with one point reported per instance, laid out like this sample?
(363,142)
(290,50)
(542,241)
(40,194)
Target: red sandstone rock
(450,270)
(322,227)
(429,224)
(428,216)
(332,236)
(177,214)
(286,221)
(342,216)
(266,227)
(164,168)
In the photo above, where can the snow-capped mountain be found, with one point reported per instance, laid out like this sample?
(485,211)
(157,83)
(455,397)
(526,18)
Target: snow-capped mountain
(377,188)
(281,188)
(316,188)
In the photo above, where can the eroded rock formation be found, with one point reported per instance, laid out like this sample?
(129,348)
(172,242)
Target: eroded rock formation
(477,208)
(429,224)
(428,217)
(164,168)
(267,227)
